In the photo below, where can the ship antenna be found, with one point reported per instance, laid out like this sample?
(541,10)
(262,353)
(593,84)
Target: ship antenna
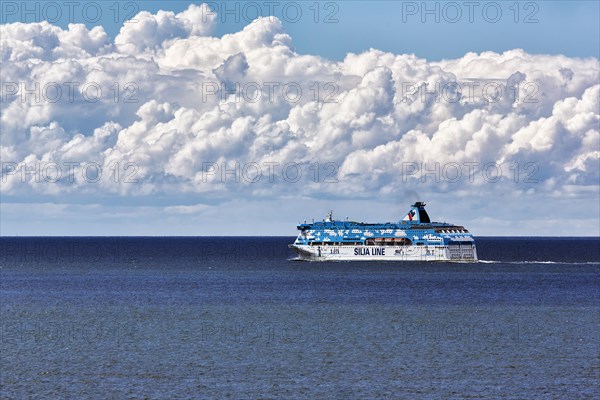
(330,216)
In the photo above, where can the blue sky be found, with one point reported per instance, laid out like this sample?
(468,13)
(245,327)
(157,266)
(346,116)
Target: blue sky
(159,126)
(549,27)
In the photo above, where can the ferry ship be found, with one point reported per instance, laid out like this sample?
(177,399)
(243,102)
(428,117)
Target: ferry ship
(413,238)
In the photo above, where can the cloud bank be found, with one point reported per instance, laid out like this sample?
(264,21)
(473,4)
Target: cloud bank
(170,106)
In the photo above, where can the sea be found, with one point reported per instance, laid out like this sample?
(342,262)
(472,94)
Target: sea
(241,318)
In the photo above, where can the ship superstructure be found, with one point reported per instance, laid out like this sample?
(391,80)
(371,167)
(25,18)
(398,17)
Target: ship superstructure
(413,238)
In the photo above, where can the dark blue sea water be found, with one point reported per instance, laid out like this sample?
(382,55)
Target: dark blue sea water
(237,318)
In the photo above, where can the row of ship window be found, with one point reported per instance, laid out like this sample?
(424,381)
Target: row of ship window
(334,243)
(360,244)
(369,242)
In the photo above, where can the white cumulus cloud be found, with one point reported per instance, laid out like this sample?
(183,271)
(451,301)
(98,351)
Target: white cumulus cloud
(166,98)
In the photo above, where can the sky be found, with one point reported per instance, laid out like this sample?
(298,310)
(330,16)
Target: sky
(434,31)
(180,118)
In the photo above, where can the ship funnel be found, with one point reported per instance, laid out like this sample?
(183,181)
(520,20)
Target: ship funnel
(417,214)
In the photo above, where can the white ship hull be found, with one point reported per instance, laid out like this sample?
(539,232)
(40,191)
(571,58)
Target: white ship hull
(463,253)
